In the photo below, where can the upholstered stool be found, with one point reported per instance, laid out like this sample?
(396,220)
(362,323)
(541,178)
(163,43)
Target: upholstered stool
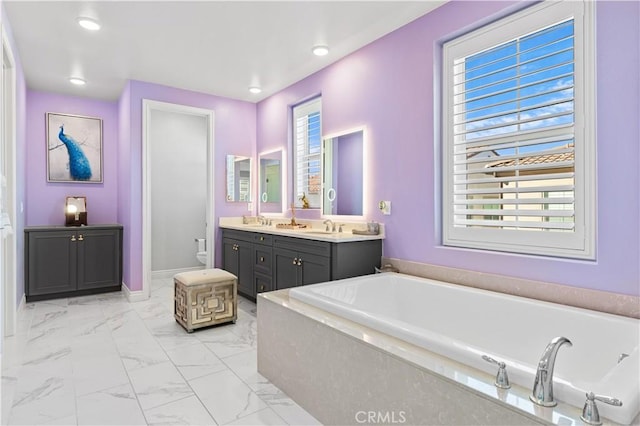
(204,298)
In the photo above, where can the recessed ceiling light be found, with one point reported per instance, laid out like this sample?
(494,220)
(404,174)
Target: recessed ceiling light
(320,50)
(88,23)
(255,89)
(77,81)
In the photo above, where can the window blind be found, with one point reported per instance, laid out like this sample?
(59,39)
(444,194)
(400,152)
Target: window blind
(307,152)
(513,119)
(518,129)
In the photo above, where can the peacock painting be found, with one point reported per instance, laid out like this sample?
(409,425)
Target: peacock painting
(74,148)
(79,166)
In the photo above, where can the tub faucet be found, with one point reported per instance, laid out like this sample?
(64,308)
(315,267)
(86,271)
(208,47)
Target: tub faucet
(543,384)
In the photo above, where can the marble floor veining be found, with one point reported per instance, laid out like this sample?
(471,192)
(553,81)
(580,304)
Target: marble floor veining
(100,360)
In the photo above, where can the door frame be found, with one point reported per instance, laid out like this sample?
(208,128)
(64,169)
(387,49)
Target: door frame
(8,134)
(147,107)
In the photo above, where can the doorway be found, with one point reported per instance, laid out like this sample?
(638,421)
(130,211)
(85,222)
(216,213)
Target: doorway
(8,248)
(178,189)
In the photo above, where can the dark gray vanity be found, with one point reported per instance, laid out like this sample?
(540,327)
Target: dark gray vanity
(265,261)
(72,261)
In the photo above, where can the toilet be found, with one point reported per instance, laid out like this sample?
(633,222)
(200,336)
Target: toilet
(201,255)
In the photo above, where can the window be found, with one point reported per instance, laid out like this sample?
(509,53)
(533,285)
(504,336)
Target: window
(518,134)
(307,141)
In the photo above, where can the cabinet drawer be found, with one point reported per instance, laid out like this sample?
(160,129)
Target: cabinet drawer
(303,245)
(265,239)
(263,283)
(263,257)
(238,235)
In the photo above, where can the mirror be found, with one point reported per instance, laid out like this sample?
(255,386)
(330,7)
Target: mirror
(270,177)
(238,179)
(343,174)
(75,211)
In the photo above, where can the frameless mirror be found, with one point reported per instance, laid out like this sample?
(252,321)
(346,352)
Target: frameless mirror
(270,177)
(342,174)
(238,178)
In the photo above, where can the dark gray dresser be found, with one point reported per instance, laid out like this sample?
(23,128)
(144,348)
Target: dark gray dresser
(72,261)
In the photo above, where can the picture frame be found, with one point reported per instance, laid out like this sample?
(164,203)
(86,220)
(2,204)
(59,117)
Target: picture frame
(74,148)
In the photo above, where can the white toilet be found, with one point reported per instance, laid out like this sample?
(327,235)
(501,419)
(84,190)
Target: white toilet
(201,255)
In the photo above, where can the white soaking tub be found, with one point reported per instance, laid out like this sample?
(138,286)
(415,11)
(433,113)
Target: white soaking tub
(463,323)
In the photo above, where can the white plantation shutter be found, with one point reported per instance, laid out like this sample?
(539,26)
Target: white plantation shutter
(518,134)
(307,137)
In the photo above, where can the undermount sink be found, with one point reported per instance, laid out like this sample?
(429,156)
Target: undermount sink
(322,233)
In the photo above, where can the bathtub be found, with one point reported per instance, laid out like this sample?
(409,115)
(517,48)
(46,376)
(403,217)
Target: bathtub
(463,323)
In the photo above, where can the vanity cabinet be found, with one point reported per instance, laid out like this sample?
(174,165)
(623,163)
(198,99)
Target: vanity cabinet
(64,261)
(277,262)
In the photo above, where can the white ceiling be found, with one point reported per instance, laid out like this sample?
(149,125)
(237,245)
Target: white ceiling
(216,47)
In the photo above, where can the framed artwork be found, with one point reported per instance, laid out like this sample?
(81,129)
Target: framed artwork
(74,148)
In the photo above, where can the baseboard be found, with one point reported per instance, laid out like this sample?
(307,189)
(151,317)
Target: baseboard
(134,296)
(169,273)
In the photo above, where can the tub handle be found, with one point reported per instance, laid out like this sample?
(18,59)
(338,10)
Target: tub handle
(502,379)
(590,414)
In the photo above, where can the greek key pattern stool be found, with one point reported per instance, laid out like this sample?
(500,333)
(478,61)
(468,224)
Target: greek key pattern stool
(204,298)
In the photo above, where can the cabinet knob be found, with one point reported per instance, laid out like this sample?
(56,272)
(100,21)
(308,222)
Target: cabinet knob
(261,287)
(73,237)
(261,258)
(80,237)
(299,262)
(295,260)
(261,238)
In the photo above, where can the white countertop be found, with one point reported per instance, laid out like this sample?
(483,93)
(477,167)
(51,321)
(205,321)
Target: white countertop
(315,231)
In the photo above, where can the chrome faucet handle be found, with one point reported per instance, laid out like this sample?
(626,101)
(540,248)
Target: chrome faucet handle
(502,379)
(340,227)
(590,414)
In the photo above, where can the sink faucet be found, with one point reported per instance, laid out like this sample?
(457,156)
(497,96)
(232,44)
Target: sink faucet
(330,222)
(543,384)
(262,219)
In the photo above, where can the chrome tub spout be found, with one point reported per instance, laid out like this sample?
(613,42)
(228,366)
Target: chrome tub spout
(543,385)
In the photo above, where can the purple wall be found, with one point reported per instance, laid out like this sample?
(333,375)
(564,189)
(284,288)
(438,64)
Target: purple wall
(350,169)
(45,200)
(388,86)
(234,133)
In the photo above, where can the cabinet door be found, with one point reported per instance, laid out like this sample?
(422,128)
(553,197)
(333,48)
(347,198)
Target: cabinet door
(98,258)
(285,269)
(314,269)
(230,256)
(245,269)
(51,263)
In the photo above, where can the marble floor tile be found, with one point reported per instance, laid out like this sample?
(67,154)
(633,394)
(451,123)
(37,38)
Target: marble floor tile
(245,366)
(227,343)
(195,361)
(140,352)
(262,417)
(186,411)
(226,397)
(114,406)
(101,360)
(159,384)
(285,407)
(42,399)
